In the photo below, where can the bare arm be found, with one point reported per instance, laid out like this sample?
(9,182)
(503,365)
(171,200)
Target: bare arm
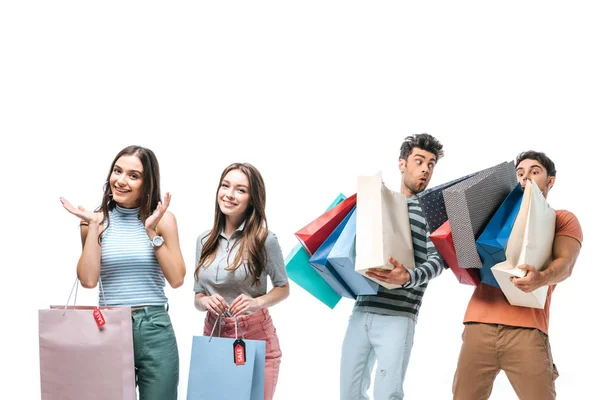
(169,253)
(244,303)
(274,296)
(275,268)
(88,266)
(564,253)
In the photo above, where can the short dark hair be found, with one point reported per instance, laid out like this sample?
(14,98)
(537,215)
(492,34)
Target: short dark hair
(539,157)
(423,141)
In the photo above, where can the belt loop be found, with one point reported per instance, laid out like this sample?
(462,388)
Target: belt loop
(167,307)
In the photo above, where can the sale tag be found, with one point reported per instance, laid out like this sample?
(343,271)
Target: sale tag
(99,318)
(239,352)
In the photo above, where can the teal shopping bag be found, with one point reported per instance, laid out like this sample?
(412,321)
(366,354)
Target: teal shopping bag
(300,271)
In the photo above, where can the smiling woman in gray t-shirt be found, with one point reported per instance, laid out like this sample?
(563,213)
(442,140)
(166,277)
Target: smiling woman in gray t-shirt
(233,260)
(217,279)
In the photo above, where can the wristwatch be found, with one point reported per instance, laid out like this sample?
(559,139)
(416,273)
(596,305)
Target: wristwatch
(157,241)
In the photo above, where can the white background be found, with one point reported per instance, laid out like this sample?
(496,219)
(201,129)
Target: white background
(313,93)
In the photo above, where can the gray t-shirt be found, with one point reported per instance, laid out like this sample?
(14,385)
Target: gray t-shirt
(230,284)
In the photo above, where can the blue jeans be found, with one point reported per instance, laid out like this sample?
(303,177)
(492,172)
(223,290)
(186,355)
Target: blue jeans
(369,337)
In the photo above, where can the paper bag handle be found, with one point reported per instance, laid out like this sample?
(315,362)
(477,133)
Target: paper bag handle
(76,286)
(219,332)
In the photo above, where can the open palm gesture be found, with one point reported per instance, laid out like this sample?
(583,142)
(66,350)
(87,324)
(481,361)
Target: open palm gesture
(81,213)
(161,208)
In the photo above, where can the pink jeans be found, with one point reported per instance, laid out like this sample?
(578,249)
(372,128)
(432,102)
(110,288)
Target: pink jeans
(255,326)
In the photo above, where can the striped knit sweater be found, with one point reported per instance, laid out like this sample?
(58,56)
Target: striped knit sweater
(406,301)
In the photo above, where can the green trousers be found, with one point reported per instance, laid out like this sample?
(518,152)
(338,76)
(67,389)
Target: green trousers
(156,355)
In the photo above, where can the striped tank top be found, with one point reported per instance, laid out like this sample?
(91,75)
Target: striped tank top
(130,273)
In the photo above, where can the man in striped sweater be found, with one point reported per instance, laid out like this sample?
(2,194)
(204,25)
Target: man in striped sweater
(382,326)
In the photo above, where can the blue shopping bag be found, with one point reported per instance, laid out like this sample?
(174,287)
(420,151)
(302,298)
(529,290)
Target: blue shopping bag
(342,258)
(215,376)
(491,244)
(300,271)
(319,262)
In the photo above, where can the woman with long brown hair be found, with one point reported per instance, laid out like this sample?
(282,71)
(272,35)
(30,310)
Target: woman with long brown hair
(131,245)
(233,260)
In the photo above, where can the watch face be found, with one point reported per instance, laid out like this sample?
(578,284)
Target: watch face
(157,241)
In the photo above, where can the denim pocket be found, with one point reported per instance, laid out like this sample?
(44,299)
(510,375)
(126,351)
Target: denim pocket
(161,320)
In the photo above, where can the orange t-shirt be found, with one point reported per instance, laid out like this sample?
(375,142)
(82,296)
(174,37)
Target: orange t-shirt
(488,304)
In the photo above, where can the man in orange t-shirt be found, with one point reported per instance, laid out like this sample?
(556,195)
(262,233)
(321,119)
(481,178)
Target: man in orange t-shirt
(498,336)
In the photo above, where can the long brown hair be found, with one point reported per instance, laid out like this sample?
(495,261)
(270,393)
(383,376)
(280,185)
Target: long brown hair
(150,185)
(252,241)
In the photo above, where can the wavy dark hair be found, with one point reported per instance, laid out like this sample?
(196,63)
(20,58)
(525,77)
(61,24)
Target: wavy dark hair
(150,185)
(252,241)
(423,141)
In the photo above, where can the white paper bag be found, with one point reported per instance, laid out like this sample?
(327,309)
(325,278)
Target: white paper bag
(530,242)
(382,228)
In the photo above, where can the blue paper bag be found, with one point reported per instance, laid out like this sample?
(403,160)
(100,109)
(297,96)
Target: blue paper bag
(323,268)
(215,376)
(491,244)
(300,271)
(342,257)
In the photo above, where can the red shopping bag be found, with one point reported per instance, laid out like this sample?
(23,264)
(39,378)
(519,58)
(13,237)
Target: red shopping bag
(314,234)
(442,240)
